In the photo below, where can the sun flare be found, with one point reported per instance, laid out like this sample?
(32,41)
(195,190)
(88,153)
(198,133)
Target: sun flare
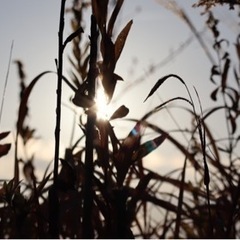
(102,106)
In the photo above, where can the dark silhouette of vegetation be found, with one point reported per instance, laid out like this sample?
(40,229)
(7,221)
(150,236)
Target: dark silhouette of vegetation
(101,188)
(208,4)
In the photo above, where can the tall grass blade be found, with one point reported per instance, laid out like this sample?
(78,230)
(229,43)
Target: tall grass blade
(160,82)
(6,81)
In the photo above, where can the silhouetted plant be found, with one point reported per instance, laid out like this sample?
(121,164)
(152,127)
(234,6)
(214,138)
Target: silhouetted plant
(103,189)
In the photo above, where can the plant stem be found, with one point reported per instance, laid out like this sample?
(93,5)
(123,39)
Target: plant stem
(53,193)
(87,188)
(59,91)
(180,201)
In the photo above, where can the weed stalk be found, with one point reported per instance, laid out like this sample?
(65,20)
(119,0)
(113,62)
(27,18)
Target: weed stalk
(53,193)
(91,119)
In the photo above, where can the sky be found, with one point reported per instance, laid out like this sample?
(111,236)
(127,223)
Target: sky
(156,34)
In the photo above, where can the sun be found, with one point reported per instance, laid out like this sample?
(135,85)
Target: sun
(103,109)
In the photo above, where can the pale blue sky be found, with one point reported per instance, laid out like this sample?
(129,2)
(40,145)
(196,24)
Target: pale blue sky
(156,33)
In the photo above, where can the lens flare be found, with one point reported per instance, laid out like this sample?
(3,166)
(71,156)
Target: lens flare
(102,106)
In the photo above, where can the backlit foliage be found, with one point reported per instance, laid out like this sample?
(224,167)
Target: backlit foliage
(102,188)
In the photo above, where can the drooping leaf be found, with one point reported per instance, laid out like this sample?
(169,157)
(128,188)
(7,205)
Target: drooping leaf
(120,112)
(121,39)
(159,107)
(26,94)
(160,82)
(72,36)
